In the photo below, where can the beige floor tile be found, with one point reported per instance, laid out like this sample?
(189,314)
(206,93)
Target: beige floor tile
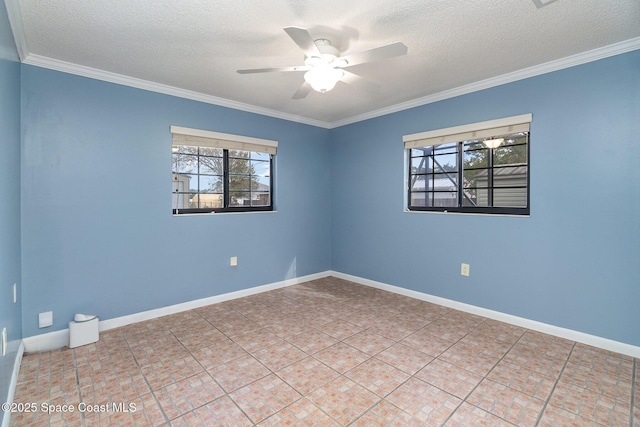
(203,338)
(114,387)
(285,328)
(142,411)
(529,357)
(471,416)
(590,404)
(329,352)
(369,342)
(506,403)
(613,364)
(257,339)
(399,327)
(170,370)
(343,400)
(264,397)
(307,375)
(450,378)
(220,412)
(238,372)
(280,355)
(183,396)
(607,383)
(405,358)
(384,414)
(219,353)
(427,343)
(341,357)
(447,329)
(312,341)
(303,413)
(522,379)
(470,358)
(377,376)
(425,403)
(556,417)
(340,329)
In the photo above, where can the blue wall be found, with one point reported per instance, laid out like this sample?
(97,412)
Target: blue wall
(98,234)
(572,263)
(10,313)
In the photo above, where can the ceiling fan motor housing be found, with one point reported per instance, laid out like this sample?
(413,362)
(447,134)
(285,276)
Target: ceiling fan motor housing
(328,51)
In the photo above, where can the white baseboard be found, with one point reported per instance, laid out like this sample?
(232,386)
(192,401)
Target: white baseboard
(58,339)
(581,337)
(14,381)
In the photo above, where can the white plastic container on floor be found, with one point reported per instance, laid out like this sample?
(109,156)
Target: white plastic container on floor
(83,330)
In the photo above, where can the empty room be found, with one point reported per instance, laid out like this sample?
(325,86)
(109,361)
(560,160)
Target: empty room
(294,212)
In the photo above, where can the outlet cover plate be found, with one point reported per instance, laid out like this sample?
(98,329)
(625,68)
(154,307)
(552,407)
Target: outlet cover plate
(464,269)
(45,319)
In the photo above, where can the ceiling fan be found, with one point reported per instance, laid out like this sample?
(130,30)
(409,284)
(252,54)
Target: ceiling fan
(324,66)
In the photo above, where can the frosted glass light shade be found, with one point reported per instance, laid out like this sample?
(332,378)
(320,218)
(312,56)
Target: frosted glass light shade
(493,143)
(323,79)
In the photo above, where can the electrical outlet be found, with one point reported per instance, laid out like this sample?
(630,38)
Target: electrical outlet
(464,269)
(234,261)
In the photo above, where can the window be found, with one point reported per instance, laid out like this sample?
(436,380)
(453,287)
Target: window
(478,168)
(216,172)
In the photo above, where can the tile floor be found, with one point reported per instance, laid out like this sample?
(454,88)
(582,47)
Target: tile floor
(329,353)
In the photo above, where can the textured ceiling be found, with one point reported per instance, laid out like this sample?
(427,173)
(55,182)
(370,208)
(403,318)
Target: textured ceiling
(197,46)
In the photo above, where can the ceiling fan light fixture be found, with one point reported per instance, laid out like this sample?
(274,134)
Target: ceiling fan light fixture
(493,142)
(323,65)
(323,79)
(312,61)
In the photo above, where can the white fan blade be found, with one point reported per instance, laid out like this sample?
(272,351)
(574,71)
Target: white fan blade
(376,54)
(274,69)
(359,82)
(303,39)
(302,91)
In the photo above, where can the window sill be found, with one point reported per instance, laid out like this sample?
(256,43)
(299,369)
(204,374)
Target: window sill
(465,213)
(224,213)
